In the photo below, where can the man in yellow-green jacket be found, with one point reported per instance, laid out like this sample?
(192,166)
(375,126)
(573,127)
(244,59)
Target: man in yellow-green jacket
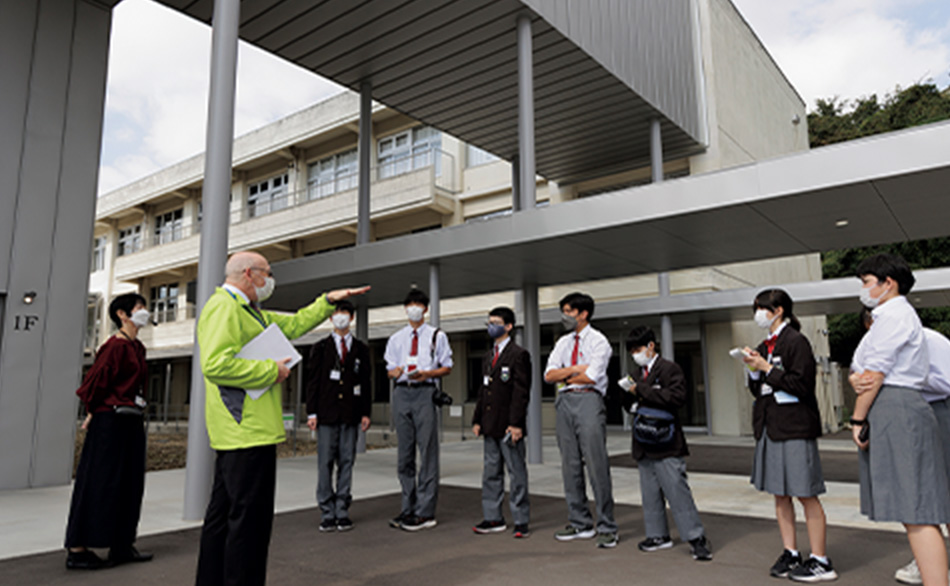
(243,431)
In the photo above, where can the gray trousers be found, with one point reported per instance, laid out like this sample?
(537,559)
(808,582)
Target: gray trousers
(336,445)
(667,478)
(416,422)
(498,455)
(582,439)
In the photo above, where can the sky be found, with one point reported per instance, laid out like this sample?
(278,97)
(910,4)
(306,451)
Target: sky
(157,91)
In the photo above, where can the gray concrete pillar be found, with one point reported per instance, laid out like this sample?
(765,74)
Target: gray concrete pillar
(434,297)
(515,184)
(214,237)
(364,151)
(526,173)
(532,343)
(656,167)
(362,333)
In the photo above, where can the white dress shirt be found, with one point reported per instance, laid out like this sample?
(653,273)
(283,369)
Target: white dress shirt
(236,291)
(894,345)
(337,339)
(500,346)
(593,350)
(938,378)
(400,344)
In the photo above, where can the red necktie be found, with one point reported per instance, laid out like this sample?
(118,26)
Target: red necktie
(342,350)
(495,358)
(414,349)
(577,341)
(646,372)
(770,344)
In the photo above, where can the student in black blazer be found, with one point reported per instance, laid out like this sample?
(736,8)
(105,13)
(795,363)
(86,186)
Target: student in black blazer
(658,389)
(339,404)
(786,423)
(500,416)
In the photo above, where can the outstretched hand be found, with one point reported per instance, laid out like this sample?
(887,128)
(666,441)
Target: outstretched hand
(341,294)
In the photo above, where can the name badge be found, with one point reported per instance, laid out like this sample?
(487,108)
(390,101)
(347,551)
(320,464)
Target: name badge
(505,374)
(766,389)
(412,361)
(334,374)
(485,380)
(140,401)
(356,390)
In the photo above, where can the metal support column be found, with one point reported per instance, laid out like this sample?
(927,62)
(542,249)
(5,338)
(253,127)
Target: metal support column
(435,300)
(532,343)
(364,149)
(526,173)
(362,333)
(214,236)
(663,279)
(515,184)
(168,392)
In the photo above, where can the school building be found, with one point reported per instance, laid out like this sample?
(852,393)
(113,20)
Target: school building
(507,152)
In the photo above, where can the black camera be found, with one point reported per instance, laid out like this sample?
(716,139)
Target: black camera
(441,399)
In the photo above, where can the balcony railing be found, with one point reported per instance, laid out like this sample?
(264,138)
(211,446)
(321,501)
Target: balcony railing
(173,314)
(441,166)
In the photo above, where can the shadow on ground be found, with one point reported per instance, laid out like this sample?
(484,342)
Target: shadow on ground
(451,554)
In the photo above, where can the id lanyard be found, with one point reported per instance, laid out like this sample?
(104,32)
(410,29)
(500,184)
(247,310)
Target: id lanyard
(249,309)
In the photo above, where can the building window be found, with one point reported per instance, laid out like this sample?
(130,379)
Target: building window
(98,254)
(168,227)
(408,151)
(164,302)
(93,322)
(130,240)
(333,174)
(475,156)
(267,196)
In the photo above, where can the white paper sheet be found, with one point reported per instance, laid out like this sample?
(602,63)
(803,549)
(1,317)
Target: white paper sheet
(270,344)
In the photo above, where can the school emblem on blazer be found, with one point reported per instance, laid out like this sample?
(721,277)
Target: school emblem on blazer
(505,374)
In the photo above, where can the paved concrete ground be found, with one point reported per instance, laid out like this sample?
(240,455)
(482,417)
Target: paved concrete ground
(740,522)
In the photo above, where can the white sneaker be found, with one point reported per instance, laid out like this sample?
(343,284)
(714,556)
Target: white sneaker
(909,574)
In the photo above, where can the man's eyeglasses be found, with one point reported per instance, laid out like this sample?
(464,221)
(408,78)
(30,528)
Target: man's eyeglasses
(267,272)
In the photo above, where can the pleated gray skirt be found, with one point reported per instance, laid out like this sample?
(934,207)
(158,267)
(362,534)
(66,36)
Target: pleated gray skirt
(903,472)
(787,468)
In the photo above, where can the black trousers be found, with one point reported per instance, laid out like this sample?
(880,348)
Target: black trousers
(110,481)
(237,525)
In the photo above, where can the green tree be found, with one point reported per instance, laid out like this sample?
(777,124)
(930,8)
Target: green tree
(834,120)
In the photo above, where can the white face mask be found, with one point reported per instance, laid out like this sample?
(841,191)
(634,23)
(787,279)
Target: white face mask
(867,300)
(762,319)
(414,312)
(140,318)
(341,320)
(264,293)
(641,358)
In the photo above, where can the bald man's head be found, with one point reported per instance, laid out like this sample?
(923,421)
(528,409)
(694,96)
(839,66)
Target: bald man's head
(240,262)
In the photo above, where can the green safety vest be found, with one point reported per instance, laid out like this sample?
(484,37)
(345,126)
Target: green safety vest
(227,323)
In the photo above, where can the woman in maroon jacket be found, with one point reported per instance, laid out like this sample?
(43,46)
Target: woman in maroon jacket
(786,423)
(110,479)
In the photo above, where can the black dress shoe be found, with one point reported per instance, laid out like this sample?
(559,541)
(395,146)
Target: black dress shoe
(128,554)
(84,560)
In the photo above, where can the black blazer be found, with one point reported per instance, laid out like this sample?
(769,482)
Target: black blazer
(664,388)
(793,372)
(334,401)
(504,400)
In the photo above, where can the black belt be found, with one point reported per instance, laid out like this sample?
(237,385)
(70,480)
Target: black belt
(412,385)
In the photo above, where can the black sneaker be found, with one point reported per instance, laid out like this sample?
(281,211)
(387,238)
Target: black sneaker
(486,527)
(814,570)
(84,560)
(521,531)
(125,555)
(655,543)
(415,523)
(701,549)
(328,525)
(785,564)
(396,522)
(344,524)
